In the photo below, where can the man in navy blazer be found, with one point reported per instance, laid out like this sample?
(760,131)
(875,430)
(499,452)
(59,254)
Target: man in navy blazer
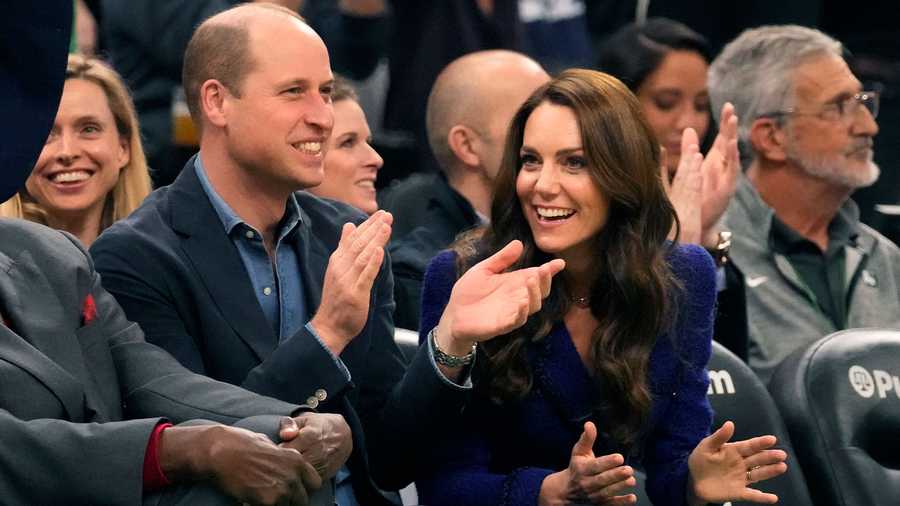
(245,279)
(83,396)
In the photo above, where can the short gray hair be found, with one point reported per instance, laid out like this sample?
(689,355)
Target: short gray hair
(755,71)
(220,49)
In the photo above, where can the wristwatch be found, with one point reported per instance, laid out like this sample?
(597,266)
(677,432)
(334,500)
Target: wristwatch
(720,251)
(447,359)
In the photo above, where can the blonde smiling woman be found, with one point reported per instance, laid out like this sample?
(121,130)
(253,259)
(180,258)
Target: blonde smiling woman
(91,171)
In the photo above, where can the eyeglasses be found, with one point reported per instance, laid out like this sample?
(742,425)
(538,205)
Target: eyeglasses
(842,110)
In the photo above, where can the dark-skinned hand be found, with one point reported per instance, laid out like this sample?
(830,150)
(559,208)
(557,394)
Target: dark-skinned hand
(243,464)
(323,439)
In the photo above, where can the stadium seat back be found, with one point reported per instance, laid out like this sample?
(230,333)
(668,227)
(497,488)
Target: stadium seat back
(737,394)
(840,398)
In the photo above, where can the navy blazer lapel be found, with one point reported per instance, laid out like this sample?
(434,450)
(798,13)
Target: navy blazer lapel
(218,263)
(562,377)
(313,260)
(53,359)
(566,383)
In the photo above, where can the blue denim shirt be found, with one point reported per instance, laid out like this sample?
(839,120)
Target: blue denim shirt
(279,287)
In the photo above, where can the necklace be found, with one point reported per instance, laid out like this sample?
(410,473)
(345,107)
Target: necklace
(582,302)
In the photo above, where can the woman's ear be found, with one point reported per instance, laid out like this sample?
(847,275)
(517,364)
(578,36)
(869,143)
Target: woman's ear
(124,154)
(769,139)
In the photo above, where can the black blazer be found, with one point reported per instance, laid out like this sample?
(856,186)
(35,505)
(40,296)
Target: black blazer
(34,39)
(173,269)
(428,215)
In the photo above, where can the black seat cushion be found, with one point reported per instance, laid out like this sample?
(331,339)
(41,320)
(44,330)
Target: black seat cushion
(840,398)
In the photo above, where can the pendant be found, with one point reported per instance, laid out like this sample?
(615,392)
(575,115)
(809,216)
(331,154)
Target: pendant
(582,302)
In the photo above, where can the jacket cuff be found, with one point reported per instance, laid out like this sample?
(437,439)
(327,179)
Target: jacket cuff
(523,485)
(154,478)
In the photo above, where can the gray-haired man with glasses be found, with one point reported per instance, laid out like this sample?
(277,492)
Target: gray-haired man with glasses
(806,126)
(843,108)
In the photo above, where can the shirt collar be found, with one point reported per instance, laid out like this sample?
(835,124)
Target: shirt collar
(230,219)
(842,230)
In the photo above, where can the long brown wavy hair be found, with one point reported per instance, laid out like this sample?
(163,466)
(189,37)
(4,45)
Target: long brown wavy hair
(632,289)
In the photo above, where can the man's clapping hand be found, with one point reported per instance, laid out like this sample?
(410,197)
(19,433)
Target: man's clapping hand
(347,288)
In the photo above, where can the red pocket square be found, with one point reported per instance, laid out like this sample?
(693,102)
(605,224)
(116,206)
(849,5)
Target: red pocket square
(89,311)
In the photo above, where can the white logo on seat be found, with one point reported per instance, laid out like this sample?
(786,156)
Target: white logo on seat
(720,382)
(861,381)
(867,384)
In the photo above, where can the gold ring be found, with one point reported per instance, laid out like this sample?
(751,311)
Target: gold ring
(750,478)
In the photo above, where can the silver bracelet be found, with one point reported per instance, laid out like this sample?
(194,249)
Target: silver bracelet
(446,359)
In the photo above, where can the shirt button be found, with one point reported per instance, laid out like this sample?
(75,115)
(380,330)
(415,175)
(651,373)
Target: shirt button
(249,235)
(321,394)
(267,291)
(312,402)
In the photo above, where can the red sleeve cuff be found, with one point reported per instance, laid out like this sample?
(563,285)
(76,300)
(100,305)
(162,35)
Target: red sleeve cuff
(154,478)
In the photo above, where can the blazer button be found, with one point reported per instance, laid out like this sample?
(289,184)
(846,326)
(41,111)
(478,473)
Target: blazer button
(321,394)
(312,402)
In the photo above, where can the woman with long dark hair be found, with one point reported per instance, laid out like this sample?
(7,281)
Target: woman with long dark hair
(609,368)
(664,63)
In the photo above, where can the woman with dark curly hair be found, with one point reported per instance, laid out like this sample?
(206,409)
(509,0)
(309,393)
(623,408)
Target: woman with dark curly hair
(609,369)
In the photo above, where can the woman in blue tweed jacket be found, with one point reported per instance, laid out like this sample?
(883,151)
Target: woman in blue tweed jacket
(577,380)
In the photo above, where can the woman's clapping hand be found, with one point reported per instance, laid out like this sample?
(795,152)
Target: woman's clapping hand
(723,471)
(588,479)
(488,300)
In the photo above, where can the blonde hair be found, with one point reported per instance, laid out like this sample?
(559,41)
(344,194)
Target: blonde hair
(134,180)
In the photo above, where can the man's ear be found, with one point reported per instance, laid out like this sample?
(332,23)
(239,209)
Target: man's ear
(461,140)
(213,95)
(769,139)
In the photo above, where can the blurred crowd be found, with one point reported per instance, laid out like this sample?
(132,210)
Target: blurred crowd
(393,51)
